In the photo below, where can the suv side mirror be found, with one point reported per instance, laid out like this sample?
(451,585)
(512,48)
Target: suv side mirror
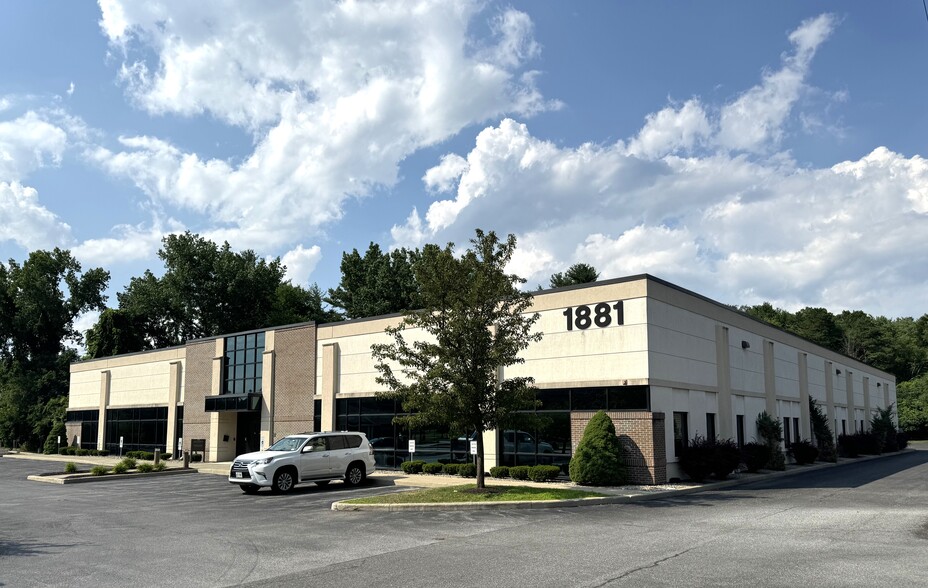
(307,449)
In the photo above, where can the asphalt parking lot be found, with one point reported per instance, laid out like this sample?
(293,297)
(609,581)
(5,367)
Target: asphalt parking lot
(861,524)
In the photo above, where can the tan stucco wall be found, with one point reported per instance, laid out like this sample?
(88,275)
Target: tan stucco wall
(138,379)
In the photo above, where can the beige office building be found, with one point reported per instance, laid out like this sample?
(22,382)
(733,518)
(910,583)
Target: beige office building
(666,364)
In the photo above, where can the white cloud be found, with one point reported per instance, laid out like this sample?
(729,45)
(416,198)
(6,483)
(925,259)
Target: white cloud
(70,90)
(28,143)
(754,120)
(300,263)
(671,130)
(335,95)
(26,222)
(129,243)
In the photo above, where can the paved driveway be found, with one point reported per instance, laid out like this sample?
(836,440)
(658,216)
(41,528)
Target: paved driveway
(864,524)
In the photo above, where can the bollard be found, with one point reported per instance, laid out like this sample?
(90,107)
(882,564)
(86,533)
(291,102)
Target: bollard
(186,460)
(157,456)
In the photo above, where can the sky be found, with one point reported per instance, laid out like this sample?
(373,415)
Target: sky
(749,151)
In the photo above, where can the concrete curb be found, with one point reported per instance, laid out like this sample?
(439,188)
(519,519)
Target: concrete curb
(58,478)
(618,499)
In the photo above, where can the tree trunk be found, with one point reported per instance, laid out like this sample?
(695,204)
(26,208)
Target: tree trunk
(480,481)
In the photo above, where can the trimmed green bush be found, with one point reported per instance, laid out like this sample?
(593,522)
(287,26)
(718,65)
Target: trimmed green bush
(902,439)
(598,461)
(70,467)
(848,446)
(83,452)
(467,470)
(451,468)
(543,473)
(432,468)
(103,452)
(803,452)
(519,472)
(884,428)
(770,431)
(160,466)
(412,467)
(51,441)
(499,471)
(755,455)
(709,457)
(146,467)
(98,470)
(821,430)
(130,463)
(120,468)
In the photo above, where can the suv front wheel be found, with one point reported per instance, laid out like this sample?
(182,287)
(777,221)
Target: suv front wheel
(355,474)
(283,481)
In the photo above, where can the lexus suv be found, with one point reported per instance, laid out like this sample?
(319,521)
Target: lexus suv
(309,457)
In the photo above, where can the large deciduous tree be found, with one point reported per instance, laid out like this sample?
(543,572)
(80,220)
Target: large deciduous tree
(376,283)
(474,321)
(39,302)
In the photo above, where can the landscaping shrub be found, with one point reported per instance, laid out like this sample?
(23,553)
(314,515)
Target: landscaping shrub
(130,462)
(412,467)
(883,427)
(70,467)
(467,470)
(83,452)
(543,473)
(870,444)
(103,452)
(432,468)
(98,470)
(598,460)
(160,466)
(902,440)
(821,430)
(770,431)
(704,457)
(51,441)
(146,455)
(519,472)
(803,452)
(120,468)
(499,471)
(145,467)
(451,468)
(848,446)
(755,455)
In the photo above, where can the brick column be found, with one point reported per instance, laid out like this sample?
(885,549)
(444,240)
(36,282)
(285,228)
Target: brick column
(641,434)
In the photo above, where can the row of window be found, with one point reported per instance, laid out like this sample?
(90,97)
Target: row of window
(141,429)
(791,430)
(243,364)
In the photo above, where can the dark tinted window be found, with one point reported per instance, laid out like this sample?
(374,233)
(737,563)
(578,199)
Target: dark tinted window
(353,441)
(336,442)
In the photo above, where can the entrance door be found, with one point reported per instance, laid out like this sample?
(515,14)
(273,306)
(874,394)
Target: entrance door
(248,433)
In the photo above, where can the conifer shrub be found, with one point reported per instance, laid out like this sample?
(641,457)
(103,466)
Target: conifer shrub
(519,472)
(770,431)
(804,452)
(848,446)
(755,455)
(598,460)
(499,471)
(884,428)
(467,470)
(710,457)
(412,467)
(432,468)
(451,468)
(821,430)
(51,441)
(544,473)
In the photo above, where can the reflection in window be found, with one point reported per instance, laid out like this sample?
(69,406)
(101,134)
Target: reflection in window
(243,363)
(681,432)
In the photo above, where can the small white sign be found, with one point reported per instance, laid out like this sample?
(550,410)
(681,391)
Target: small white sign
(78,440)
(59,439)
(412,446)
(180,443)
(473,448)
(120,442)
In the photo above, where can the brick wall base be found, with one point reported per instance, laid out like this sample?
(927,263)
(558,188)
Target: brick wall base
(642,437)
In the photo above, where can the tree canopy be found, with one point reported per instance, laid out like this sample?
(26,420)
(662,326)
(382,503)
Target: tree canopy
(578,273)
(376,283)
(474,322)
(39,302)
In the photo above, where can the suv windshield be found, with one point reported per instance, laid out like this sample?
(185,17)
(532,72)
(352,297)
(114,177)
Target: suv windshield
(287,444)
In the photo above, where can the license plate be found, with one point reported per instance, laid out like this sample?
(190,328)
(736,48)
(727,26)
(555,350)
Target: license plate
(239,474)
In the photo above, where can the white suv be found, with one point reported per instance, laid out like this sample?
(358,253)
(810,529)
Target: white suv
(309,457)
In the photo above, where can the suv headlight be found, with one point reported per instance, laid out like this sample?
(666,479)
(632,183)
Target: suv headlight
(264,461)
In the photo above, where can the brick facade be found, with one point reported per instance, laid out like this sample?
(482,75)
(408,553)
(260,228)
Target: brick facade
(294,380)
(198,379)
(642,437)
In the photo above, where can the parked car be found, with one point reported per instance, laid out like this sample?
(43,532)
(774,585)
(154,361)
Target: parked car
(309,457)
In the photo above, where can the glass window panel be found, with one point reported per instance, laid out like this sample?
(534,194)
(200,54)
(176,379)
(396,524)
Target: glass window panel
(239,357)
(588,399)
(249,356)
(376,405)
(354,406)
(554,433)
(628,398)
(240,342)
(341,406)
(238,387)
(553,399)
(258,384)
(250,340)
(259,340)
(239,372)
(250,370)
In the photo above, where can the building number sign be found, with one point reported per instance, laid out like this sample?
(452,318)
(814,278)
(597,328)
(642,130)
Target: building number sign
(601,315)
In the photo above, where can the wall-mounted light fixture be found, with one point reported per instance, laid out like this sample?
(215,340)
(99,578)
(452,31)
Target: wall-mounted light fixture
(745,345)
(838,372)
(878,384)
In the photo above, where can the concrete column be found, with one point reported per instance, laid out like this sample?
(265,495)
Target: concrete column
(723,378)
(830,395)
(174,380)
(770,379)
(867,407)
(805,421)
(215,389)
(267,396)
(330,380)
(851,407)
(105,379)
(885,387)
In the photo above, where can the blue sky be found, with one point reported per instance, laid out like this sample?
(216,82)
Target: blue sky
(748,151)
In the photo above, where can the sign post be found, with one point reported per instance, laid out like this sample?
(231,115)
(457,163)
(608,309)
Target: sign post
(412,448)
(120,446)
(473,450)
(180,446)
(59,444)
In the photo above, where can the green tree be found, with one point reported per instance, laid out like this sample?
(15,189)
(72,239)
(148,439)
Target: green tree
(821,430)
(376,283)
(474,320)
(115,332)
(770,430)
(578,273)
(598,460)
(294,304)
(912,401)
(41,299)
(819,326)
(767,313)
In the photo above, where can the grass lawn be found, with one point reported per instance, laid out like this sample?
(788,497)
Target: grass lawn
(468,493)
